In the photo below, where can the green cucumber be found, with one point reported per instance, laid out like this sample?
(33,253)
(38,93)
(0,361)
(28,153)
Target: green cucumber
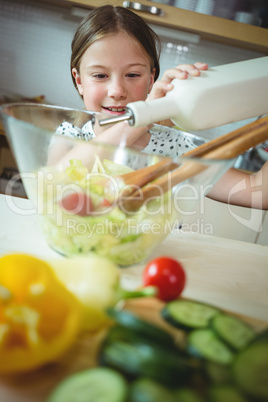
(225,393)
(205,344)
(233,331)
(186,314)
(250,368)
(131,321)
(136,355)
(218,374)
(187,395)
(98,384)
(148,390)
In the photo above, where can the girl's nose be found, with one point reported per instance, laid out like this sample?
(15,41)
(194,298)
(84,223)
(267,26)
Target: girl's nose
(117,89)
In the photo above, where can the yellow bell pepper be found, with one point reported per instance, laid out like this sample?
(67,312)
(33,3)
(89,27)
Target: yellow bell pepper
(39,318)
(95,281)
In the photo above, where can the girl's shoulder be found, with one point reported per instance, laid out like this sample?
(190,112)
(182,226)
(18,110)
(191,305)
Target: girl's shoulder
(169,141)
(70,130)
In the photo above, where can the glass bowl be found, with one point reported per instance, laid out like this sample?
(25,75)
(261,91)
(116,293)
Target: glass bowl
(74,186)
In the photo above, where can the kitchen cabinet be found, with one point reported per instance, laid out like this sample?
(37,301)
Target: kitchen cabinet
(209,27)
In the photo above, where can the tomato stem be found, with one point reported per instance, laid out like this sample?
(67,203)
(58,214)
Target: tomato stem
(148,291)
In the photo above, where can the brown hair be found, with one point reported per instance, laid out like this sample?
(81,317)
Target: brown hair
(107,20)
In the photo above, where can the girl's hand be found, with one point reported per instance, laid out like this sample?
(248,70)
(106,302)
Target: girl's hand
(161,87)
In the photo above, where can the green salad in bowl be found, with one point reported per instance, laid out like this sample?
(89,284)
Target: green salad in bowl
(82,215)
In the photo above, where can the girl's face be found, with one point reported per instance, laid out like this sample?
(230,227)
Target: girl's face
(114,71)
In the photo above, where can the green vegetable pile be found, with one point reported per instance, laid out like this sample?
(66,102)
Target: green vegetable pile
(105,230)
(220,359)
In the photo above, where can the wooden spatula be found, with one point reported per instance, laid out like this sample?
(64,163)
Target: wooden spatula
(227,146)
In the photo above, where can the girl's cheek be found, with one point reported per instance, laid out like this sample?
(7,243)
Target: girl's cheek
(139,92)
(93,98)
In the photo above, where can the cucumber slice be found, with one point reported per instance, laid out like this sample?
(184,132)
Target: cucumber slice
(225,393)
(131,321)
(205,344)
(250,368)
(188,395)
(233,331)
(147,390)
(120,333)
(135,355)
(98,384)
(217,373)
(188,314)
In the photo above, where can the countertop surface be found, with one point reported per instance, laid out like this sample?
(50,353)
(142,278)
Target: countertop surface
(228,273)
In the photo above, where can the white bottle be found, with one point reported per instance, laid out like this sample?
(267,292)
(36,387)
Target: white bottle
(221,95)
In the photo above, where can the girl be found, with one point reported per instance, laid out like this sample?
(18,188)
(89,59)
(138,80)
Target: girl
(115,61)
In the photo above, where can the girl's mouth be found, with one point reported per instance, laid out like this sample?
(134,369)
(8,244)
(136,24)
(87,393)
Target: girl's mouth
(114,110)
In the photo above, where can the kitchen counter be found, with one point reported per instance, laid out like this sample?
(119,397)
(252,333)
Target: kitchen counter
(19,230)
(227,273)
(230,274)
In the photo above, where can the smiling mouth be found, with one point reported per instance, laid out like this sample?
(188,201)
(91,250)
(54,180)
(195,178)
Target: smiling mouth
(115,109)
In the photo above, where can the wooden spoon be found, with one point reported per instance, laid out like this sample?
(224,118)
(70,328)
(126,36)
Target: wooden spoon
(225,147)
(139,178)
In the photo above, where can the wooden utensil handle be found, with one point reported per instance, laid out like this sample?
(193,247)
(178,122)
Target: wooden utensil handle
(224,139)
(143,176)
(160,186)
(225,147)
(254,135)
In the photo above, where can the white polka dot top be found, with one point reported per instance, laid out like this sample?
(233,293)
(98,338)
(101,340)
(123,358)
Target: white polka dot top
(168,141)
(165,141)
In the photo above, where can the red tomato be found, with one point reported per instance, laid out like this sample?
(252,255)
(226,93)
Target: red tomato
(167,275)
(105,203)
(78,204)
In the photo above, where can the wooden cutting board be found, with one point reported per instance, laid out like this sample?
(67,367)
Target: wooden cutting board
(35,386)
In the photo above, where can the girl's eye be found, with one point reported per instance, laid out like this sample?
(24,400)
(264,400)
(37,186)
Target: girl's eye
(100,76)
(133,75)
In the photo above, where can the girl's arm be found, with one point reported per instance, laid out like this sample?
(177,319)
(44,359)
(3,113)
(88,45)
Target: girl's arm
(122,133)
(240,188)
